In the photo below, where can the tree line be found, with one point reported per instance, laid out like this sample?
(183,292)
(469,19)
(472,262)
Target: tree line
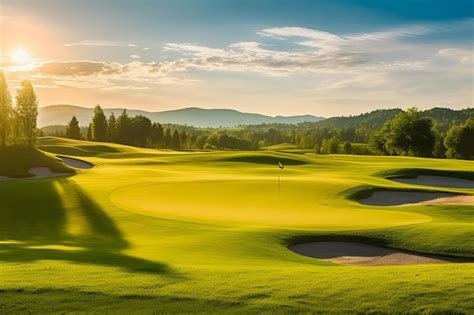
(407,133)
(141,132)
(18,117)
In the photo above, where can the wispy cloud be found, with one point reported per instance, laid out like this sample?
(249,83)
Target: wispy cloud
(394,34)
(293,31)
(93,42)
(461,55)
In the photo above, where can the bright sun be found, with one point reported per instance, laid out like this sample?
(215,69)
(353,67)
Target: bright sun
(20,55)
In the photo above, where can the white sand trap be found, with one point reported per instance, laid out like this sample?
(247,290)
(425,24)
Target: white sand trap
(76,163)
(43,172)
(37,172)
(439,181)
(398,197)
(348,253)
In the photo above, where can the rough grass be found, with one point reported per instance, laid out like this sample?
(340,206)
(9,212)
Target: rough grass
(160,231)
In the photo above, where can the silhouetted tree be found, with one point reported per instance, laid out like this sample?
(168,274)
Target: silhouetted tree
(6,111)
(347,147)
(183,140)
(140,130)
(124,128)
(99,125)
(27,110)
(112,130)
(167,138)
(73,130)
(156,135)
(89,133)
(175,143)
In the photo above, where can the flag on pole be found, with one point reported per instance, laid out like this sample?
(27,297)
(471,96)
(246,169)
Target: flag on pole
(280,165)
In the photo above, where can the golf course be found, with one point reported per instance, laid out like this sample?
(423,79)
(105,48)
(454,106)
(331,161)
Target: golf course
(102,227)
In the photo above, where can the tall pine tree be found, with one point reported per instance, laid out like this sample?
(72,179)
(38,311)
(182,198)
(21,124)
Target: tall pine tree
(27,109)
(73,131)
(99,125)
(123,128)
(112,131)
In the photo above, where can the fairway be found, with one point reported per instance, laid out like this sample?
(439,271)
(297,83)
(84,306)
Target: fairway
(143,229)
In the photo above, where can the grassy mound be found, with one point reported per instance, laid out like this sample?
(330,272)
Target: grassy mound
(268,159)
(16,161)
(279,147)
(81,148)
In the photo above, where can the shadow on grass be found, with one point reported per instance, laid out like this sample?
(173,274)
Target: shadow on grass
(57,220)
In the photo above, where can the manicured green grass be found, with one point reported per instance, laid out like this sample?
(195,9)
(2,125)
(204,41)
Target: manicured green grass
(16,161)
(163,231)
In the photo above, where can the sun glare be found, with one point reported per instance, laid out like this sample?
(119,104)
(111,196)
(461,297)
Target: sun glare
(20,55)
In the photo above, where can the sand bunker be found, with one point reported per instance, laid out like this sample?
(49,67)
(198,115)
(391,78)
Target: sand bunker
(439,181)
(348,253)
(399,197)
(43,172)
(37,172)
(75,162)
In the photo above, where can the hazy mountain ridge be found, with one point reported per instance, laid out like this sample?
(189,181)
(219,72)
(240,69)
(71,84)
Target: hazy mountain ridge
(193,116)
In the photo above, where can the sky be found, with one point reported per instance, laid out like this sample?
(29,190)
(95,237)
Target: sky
(320,57)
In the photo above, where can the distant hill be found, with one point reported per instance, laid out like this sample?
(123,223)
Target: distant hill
(198,117)
(443,119)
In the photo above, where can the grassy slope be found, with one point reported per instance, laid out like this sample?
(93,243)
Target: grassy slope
(16,161)
(214,235)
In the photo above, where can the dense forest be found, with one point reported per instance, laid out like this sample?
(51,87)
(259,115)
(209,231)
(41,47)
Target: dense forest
(438,132)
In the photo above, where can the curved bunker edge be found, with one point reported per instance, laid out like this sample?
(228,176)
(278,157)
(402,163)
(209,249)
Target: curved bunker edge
(405,197)
(360,254)
(434,180)
(76,163)
(37,172)
(430,177)
(384,196)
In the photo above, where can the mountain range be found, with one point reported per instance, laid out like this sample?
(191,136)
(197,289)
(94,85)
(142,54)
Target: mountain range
(192,116)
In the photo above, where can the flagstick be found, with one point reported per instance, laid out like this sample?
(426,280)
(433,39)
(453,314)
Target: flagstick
(279,186)
(280,165)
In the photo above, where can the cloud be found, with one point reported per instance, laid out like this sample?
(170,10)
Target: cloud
(135,56)
(461,55)
(293,31)
(318,52)
(125,87)
(92,42)
(131,45)
(78,68)
(105,76)
(394,34)
(253,57)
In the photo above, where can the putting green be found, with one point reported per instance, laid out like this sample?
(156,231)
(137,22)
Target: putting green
(256,202)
